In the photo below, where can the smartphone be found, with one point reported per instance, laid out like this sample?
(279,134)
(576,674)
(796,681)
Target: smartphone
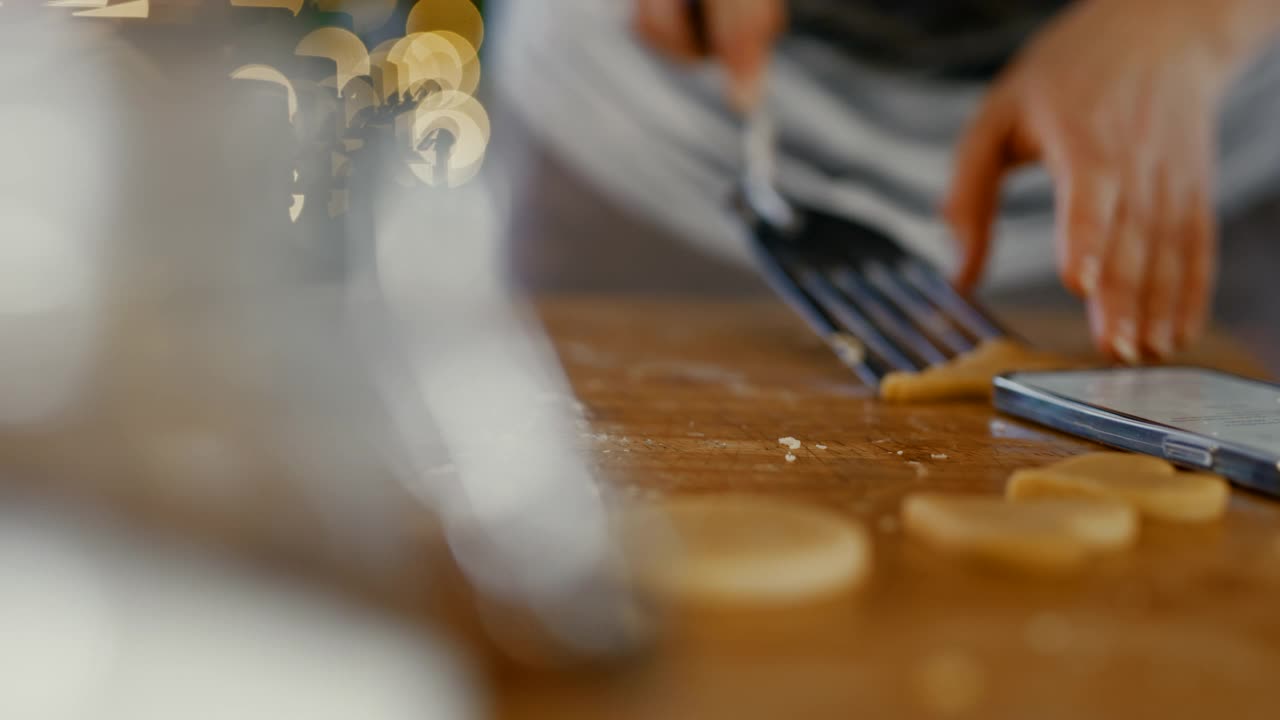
(1194,417)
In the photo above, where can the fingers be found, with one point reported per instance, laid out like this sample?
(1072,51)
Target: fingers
(1086,204)
(739,33)
(982,158)
(1156,258)
(1115,307)
(1200,273)
(742,33)
(1165,278)
(1157,272)
(666,25)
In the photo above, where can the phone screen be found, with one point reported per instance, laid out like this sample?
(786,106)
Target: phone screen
(1230,408)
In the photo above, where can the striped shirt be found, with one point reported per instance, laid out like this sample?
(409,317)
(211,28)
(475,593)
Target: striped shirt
(951,38)
(867,126)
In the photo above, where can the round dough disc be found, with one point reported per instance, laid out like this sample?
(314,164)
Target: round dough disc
(1044,535)
(1152,486)
(1110,463)
(758,550)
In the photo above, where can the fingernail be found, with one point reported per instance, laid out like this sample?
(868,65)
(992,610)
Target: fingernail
(1162,338)
(1089,273)
(1127,349)
(1124,342)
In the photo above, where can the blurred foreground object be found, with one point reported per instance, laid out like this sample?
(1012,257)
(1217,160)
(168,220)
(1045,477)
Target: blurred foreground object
(323,380)
(100,623)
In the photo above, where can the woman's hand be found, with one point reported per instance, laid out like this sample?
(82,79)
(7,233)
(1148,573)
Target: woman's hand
(738,33)
(1118,99)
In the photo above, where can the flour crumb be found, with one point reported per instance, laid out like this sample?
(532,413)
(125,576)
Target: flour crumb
(921,471)
(899,452)
(939,456)
(791,457)
(820,446)
(790,442)
(879,442)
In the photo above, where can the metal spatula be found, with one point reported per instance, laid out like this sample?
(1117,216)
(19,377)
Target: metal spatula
(879,307)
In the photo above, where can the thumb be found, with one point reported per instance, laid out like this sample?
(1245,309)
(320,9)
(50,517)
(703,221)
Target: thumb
(742,34)
(982,158)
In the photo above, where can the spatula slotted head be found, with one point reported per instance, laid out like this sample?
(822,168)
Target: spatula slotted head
(863,284)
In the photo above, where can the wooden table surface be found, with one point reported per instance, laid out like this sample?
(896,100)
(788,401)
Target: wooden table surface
(690,397)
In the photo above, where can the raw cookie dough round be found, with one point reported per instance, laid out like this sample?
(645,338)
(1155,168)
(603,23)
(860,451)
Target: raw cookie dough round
(1045,535)
(753,550)
(1152,486)
(1111,462)
(968,376)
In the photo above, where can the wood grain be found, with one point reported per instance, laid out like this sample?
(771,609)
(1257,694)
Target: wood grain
(691,397)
